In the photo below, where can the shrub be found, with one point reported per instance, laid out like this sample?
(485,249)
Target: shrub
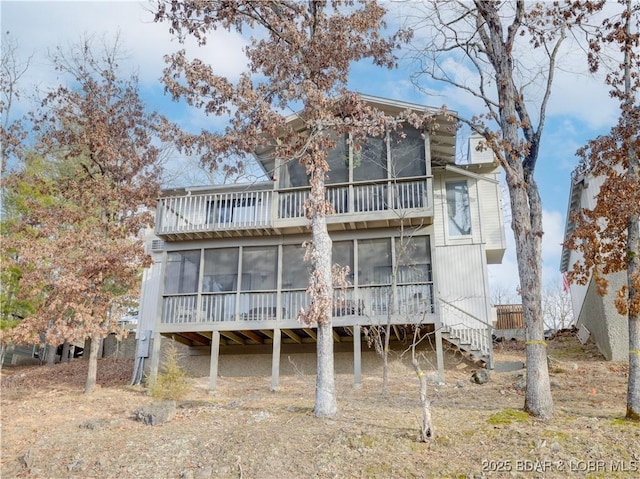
(171,382)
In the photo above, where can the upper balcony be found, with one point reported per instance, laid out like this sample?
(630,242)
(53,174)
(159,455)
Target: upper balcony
(263,210)
(377,182)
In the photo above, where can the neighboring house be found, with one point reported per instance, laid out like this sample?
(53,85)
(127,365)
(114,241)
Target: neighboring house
(229,274)
(593,313)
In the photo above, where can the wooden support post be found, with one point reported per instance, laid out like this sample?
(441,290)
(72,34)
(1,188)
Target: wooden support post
(439,355)
(155,358)
(213,365)
(275,360)
(357,357)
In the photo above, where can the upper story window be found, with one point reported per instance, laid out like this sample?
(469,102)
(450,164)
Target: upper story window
(293,174)
(370,160)
(398,154)
(407,153)
(338,160)
(342,255)
(182,272)
(458,210)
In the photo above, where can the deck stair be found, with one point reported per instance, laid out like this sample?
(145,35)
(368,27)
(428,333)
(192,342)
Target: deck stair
(468,333)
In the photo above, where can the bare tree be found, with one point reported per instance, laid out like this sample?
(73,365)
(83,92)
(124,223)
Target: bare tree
(492,40)
(556,307)
(12,69)
(501,294)
(426,425)
(608,236)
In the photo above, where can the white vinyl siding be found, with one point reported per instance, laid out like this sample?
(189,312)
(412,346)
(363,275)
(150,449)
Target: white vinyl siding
(462,281)
(491,219)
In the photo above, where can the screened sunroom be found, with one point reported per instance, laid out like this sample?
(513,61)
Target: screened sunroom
(253,284)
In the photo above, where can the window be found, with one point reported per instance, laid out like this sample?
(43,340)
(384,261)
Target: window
(259,264)
(458,211)
(413,256)
(295,270)
(374,261)
(293,174)
(220,270)
(338,160)
(407,153)
(230,210)
(370,162)
(342,254)
(182,272)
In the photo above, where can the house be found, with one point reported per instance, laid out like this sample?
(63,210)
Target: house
(229,274)
(594,315)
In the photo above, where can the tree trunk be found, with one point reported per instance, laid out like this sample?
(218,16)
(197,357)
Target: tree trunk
(326,405)
(387,335)
(633,281)
(92,370)
(51,354)
(633,387)
(527,227)
(385,359)
(633,233)
(426,428)
(633,273)
(3,351)
(64,357)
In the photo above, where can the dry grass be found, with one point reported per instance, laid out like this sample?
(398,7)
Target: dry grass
(51,429)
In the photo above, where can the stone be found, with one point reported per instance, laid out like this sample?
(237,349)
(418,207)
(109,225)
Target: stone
(76,465)
(204,473)
(520,385)
(156,413)
(481,376)
(94,424)
(29,458)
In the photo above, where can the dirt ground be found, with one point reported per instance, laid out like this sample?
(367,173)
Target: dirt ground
(50,429)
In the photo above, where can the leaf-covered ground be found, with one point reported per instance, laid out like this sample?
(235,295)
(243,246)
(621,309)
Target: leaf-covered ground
(51,429)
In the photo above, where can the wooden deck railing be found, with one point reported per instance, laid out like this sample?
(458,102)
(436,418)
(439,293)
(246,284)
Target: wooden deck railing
(260,209)
(371,302)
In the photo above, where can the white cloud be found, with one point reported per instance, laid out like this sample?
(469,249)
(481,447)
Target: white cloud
(575,92)
(40,27)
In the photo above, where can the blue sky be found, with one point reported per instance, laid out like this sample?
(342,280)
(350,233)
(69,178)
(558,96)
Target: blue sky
(579,109)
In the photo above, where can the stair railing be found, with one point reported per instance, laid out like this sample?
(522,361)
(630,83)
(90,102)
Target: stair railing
(480,338)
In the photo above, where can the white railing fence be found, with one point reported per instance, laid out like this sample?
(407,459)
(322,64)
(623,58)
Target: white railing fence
(466,328)
(179,309)
(181,214)
(368,301)
(253,209)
